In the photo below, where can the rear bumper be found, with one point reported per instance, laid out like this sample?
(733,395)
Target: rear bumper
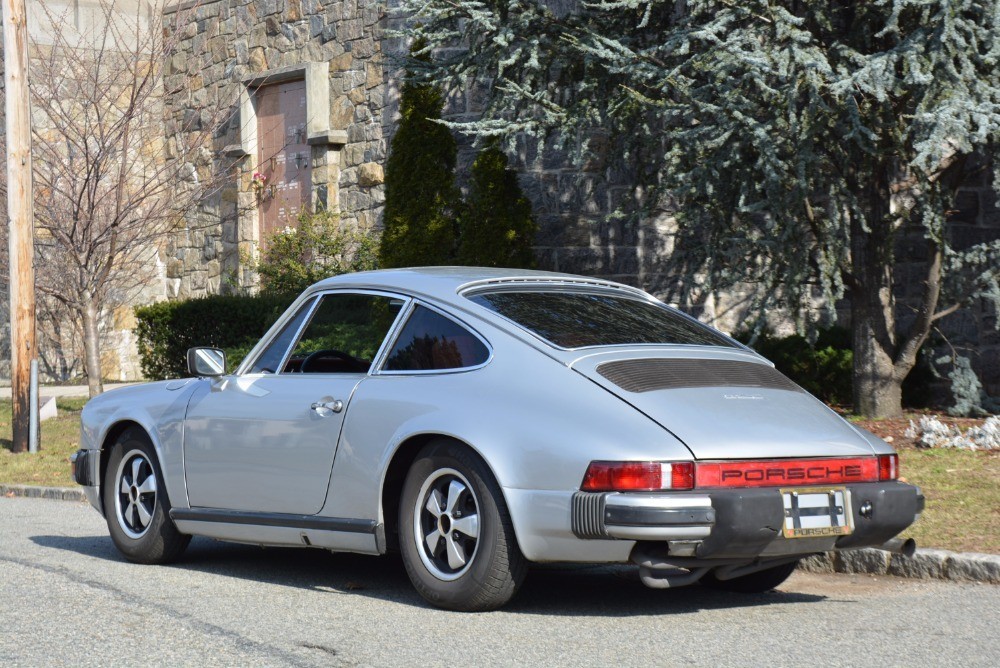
(739,523)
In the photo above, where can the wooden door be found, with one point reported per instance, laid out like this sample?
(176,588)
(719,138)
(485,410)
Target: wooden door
(283,156)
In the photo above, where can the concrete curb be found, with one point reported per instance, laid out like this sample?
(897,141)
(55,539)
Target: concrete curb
(925,564)
(36,492)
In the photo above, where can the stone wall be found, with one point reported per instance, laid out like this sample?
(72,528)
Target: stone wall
(227,48)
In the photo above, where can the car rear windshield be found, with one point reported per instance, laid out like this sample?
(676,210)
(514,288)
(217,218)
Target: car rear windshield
(580,319)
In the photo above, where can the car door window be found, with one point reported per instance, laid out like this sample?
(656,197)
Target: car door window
(344,333)
(429,342)
(269,360)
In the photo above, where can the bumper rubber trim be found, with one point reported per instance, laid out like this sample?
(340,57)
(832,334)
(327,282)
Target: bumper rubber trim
(81,468)
(660,517)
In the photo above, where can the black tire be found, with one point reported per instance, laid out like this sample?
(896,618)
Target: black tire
(460,485)
(136,504)
(752,583)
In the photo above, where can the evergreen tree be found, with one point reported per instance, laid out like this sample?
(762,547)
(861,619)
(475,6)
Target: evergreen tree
(496,228)
(420,193)
(799,138)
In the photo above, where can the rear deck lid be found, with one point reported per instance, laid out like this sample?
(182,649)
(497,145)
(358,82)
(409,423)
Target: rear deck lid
(723,403)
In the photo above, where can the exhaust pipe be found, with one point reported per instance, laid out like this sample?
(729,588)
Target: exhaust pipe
(904,546)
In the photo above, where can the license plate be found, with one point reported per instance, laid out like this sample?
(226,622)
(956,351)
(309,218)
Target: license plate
(815,513)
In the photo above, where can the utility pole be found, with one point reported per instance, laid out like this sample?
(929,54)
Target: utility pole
(20,218)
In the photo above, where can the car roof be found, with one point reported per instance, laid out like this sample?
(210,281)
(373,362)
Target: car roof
(445,283)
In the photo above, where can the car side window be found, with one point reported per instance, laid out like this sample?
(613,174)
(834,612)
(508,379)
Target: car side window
(268,361)
(344,334)
(429,341)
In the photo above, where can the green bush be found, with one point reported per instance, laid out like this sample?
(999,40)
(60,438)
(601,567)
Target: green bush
(495,228)
(317,248)
(234,323)
(420,192)
(824,369)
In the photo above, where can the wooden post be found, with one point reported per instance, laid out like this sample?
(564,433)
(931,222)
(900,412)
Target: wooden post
(19,215)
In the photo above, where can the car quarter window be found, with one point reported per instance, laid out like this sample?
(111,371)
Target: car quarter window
(268,361)
(581,319)
(430,342)
(344,333)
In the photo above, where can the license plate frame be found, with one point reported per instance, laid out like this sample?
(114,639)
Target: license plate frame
(816,512)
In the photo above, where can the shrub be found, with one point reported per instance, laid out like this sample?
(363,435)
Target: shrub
(495,228)
(319,247)
(420,192)
(234,323)
(823,369)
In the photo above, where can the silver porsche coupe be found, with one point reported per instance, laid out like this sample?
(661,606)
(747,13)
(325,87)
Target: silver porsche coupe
(479,420)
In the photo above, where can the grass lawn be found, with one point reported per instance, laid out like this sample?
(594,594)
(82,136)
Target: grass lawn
(963,498)
(962,487)
(59,438)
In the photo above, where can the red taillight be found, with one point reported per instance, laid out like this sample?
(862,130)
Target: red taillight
(888,467)
(637,476)
(788,472)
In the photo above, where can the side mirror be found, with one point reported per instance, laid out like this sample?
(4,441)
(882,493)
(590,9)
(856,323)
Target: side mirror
(206,362)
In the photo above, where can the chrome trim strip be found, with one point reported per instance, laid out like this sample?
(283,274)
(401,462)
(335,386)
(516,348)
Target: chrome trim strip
(639,500)
(380,371)
(298,334)
(696,532)
(273,520)
(622,292)
(316,296)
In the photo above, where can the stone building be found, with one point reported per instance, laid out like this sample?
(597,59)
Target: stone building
(314,96)
(53,24)
(331,61)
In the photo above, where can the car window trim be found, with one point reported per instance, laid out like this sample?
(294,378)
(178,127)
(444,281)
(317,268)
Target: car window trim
(265,343)
(316,297)
(382,371)
(633,296)
(406,299)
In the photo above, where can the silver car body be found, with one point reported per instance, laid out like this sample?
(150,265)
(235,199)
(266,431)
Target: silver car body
(248,457)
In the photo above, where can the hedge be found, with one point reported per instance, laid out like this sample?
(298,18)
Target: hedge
(234,323)
(822,368)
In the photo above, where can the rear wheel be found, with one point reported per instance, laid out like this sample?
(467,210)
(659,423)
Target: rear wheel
(753,583)
(456,535)
(136,504)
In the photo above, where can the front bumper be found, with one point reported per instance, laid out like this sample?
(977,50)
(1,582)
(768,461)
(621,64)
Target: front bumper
(739,523)
(85,468)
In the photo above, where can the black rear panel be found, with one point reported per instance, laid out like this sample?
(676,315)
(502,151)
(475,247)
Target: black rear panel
(648,375)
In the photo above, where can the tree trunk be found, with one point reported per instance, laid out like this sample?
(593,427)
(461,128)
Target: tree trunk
(877,381)
(91,345)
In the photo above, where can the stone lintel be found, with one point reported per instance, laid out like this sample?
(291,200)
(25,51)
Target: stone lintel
(332,138)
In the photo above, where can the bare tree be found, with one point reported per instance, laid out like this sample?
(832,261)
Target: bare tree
(110,185)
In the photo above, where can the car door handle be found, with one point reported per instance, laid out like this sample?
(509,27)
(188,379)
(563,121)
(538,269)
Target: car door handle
(322,406)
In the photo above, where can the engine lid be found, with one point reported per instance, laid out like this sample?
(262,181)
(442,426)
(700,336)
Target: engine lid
(723,404)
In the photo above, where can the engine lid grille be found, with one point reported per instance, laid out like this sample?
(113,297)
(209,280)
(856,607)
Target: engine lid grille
(648,375)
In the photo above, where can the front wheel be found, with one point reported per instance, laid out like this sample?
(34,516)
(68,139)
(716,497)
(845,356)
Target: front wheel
(136,503)
(456,535)
(752,583)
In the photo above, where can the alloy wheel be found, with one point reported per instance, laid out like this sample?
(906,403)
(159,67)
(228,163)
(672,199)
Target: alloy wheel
(135,499)
(446,524)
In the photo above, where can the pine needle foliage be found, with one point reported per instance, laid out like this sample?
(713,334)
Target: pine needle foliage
(496,228)
(798,139)
(420,193)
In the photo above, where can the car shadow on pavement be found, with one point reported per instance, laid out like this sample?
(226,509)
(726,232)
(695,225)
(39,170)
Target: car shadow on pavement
(564,589)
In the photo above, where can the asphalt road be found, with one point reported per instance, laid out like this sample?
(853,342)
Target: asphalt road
(67,598)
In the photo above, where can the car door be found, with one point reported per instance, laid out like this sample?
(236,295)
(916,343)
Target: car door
(265,440)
